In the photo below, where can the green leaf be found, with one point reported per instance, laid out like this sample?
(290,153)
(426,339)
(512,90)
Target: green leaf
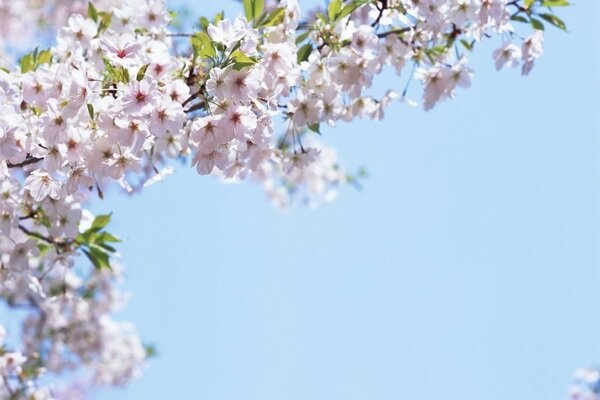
(100,222)
(123,75)
(276,17)
(98,258)
(102,247)
(304,52)
(301,38)
(436,51)
(315,128)
(362,173)
(150,350)
(554,20)
(253,9)
(350,8)
(537,24)
(106,237)
(241,60)
(142,72)
(120,74)
(468,46)
(44,57)
(38,111)
(335,6)
(202,45)
(90,111)
(555,3)
(529,3)
(27,63)
(105,20)
(204,23)
(519,19)
(257,8)
(92,12)
(248,9)
(43,248)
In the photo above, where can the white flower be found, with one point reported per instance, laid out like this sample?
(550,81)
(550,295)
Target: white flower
(532,48)
(81,30)
(140,98)
(167,116)
(206,160)
(207,132)
(305,109)
(365,42)
(40,184)
(240,121)
(225,33)
(508,55)
(122,50)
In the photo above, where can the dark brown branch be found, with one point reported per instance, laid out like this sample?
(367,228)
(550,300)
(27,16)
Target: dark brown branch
(384,6)
(59,243)
(28,161)
(38,235)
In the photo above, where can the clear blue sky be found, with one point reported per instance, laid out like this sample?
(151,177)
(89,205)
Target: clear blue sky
(467,268)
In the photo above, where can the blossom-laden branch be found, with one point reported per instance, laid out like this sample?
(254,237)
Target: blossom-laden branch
(111,102)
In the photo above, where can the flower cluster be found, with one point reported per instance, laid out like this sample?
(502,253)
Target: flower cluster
(586,384)
(112,102)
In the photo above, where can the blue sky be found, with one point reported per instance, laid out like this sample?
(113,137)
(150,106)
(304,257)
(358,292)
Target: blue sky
(467,267)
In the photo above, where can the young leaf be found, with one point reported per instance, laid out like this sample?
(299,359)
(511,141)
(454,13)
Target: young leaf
(150,350)
(304,52)
(555,3)
(203,46)
(219,17)
(350,8)
(554,20)
(100,222)
(335,6)
(301,38)
(468,46)
(44,57)
(92,12)
(142,72)
(98,258)
(257,8)
(105,20)
(102,247)
(248,9)
(27,63)
(105,237)
(204,23)
(241,60)
(529,3)
(519,18)
(276,17)
(315,128)
(537,24)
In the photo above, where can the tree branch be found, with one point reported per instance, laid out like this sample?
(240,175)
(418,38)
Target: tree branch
(384,6)
(28,161)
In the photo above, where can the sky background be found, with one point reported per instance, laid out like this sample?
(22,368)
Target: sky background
(467,267)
